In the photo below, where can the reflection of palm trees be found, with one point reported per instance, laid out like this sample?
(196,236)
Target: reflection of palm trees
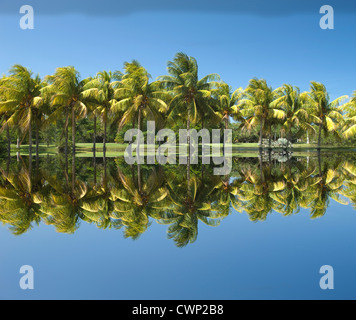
(297,183)
(328,183)
(136,200)
(262,193)
(190,204)
(128,199)
(349,190)
(19,202)
(228,195)
(62,207)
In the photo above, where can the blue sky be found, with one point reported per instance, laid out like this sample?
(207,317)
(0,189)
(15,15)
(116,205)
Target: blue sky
(237,39)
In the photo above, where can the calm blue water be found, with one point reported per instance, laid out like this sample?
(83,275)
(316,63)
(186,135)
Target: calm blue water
(278,258)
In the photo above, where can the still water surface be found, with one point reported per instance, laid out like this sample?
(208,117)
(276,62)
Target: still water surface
(105,230)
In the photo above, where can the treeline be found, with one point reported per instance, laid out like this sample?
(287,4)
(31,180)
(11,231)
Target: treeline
(63,109)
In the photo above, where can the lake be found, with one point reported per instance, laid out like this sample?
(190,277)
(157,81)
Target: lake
(101,229)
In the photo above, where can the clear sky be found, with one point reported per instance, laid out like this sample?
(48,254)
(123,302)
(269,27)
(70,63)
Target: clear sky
(280,41)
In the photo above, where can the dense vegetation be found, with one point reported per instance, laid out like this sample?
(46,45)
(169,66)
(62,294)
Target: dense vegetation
(62,109)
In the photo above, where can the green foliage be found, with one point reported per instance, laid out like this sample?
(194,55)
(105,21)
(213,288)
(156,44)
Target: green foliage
(103,107)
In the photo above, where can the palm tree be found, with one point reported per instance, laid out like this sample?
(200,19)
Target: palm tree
(67,97)
(21,95)
(103,86)
(324,112)
(228,103)
(139,97)
(257,106)
(292,102)
(350,117)
(191,95)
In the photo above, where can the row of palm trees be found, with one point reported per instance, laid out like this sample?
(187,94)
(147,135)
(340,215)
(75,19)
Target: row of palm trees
(30,103)
(120,198)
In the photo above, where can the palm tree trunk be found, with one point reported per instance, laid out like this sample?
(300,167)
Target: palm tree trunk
(319,164)
(261,167)
(226,127)
(8,138)
(66,136)
(8,164)
(188,142)
(133,123)
(73,172)
(94,137)
(37,141)
(30,138)
(94,160)
(261,133)
(270,141)
(139,128)
(139,179)
(138,150)
(104,139)
(319,137)
(73,130)
(94,149)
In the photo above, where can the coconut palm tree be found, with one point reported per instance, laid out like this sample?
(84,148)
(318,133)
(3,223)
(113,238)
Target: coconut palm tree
(349,110)
(325,113)
(103,86)
(257,106)
(21,95)
(4,116)
(68,97)
(227,105)
(292,102)
(138,97)
(192,96)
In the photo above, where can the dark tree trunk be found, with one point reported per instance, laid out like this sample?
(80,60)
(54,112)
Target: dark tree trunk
(261,133)
(73,130)
(37,141)
(73,173)
(270,142)
(30,138)
(319,137)
(188,155)
(319,164)
(138,150)
(8,137)
(94,137)
(104,139)
(94,160)
(66,135)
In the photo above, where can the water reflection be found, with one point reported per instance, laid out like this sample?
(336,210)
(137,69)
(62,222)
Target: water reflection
(111,194)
